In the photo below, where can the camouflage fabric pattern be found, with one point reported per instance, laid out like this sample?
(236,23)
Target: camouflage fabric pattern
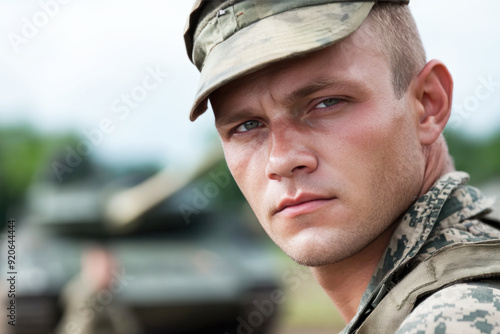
(450,212)
(461,308)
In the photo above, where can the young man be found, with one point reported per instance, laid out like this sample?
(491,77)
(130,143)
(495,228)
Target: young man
(331,122)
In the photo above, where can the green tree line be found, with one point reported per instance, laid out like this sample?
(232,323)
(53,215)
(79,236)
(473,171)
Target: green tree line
(26,153)
(23,152)
(480,157)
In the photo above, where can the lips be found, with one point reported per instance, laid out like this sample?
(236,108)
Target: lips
(302,204)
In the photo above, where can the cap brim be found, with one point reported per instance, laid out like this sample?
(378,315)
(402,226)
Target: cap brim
(275,38)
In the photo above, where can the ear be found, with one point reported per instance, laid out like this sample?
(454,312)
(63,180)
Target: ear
(432,90)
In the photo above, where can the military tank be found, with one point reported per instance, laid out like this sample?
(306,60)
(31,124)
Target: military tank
(188,256)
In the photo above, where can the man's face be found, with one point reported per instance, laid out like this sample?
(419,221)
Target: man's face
(325,153)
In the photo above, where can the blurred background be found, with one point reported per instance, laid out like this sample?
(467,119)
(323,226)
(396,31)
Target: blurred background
(125,211)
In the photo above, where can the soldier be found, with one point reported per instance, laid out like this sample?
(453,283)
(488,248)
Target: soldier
(331,121)
(84,311)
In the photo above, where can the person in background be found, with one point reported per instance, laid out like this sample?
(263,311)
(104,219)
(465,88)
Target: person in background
(86,313)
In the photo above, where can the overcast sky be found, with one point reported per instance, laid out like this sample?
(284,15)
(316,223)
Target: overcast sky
(71,64)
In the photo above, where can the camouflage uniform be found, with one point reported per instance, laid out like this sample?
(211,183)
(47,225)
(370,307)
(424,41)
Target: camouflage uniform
(449,215)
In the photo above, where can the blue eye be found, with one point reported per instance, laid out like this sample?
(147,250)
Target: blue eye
(327,103)
(248,125)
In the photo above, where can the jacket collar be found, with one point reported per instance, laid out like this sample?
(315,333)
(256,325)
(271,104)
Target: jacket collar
(413,231)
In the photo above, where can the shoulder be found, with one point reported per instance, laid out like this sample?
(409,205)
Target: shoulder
(462,308)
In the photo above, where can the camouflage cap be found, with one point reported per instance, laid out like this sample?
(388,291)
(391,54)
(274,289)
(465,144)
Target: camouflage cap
(227,39)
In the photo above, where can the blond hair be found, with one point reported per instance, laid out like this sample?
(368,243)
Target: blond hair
(397,31)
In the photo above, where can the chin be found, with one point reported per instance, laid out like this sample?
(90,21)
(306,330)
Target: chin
(316,247)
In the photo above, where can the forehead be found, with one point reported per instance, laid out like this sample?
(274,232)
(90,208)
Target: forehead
(353,59)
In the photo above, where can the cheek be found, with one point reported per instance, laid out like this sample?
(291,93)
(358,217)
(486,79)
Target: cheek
(248,170)
(358,141)
(381,132)
(387,159)
(236,161)
(372,146)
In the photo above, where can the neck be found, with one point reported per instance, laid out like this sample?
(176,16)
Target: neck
(437,163)
(346,281)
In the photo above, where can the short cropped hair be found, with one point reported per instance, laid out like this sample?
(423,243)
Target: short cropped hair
(395,27)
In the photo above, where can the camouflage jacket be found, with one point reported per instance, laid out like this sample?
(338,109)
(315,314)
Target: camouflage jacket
(450,214)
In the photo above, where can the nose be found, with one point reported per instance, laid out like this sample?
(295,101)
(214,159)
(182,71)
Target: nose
(290,154)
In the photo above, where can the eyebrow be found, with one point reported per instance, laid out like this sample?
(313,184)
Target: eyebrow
(234,117)
(293,97)
(317,85)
